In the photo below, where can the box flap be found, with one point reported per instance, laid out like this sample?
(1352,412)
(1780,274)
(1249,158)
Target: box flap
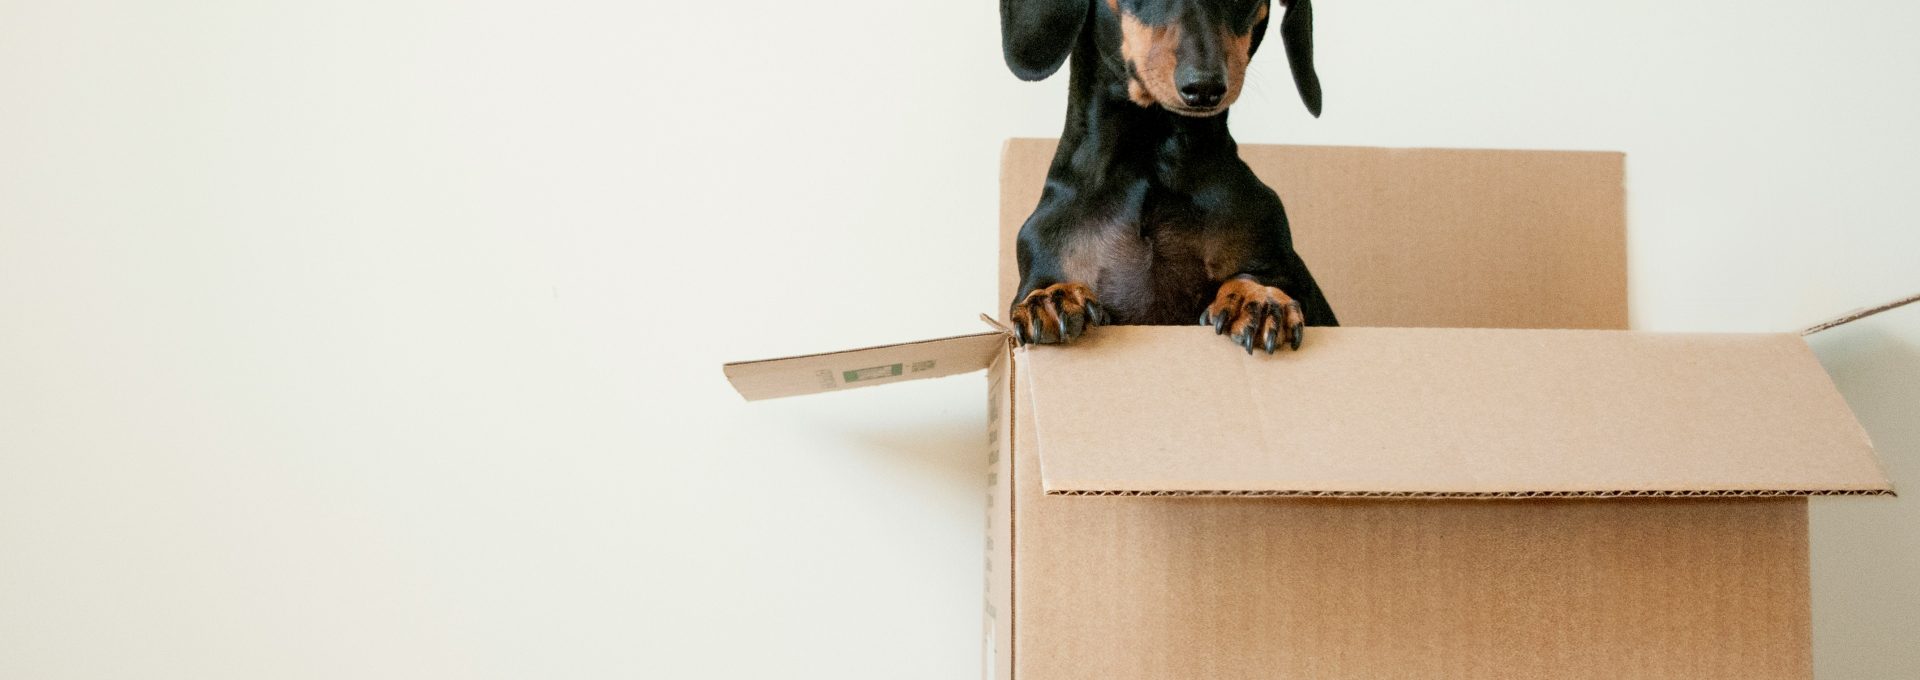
(1392,412)
(807,374)
(1859,314)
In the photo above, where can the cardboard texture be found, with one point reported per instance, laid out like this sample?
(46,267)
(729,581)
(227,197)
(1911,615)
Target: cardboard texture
(1393,502)
(1424,237)
(812,373)
(1433,412)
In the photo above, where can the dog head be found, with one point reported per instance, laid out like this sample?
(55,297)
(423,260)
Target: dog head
(1186,56)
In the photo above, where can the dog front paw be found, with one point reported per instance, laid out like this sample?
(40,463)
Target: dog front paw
(1255,315)
(1055,314)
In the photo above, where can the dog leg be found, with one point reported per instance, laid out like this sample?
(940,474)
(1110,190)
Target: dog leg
(1253,314)
(1056,314)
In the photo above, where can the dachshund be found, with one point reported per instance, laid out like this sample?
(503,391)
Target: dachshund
(1149,216)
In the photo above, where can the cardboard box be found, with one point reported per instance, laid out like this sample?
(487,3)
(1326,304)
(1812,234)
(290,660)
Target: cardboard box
(1430,492)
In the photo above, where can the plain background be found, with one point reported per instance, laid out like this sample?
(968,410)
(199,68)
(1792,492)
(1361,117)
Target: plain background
(382,339)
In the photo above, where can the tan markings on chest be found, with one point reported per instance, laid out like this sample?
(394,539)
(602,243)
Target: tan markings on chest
(1116,262)
(1105,250)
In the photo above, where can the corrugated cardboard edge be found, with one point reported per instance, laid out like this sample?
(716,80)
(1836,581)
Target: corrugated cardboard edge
(1859,314)
(1489,495)
(731,365)
(1012,492)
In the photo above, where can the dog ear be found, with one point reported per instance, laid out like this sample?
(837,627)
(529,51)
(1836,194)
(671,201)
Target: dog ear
(1037,35)
(1296,30)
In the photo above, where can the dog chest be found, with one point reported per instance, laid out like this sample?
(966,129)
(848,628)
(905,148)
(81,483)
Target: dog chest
(1145,270)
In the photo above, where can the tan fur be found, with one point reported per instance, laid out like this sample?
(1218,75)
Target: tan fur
(1056,313)
(1137,93)
(1153,52)
(1250,307)
(1239,55)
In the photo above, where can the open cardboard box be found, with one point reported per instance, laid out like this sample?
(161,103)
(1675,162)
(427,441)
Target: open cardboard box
(1429,492)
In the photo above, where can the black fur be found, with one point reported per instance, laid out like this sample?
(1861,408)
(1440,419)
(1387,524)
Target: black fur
(1151,210)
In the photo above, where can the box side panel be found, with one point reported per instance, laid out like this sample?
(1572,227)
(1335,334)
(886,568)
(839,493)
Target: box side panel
(1456,237)
(1023,174)
(997,633)
(1024,492)
(1128,588)
(1425,237)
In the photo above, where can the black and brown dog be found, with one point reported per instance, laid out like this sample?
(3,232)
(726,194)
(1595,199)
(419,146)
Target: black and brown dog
(1149,216)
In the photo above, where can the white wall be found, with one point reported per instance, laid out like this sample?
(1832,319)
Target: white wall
(382,339)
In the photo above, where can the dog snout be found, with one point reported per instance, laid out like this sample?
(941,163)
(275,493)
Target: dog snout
(1201,88)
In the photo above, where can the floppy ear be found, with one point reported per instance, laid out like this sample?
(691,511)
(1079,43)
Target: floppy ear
(1037,35)
(1296,30)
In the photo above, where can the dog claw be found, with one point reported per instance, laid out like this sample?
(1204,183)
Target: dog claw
(1037,325)
(1055,314)
(1253,315)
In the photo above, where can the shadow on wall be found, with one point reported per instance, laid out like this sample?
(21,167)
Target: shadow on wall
(1866,555)
(933,437)
(950,446)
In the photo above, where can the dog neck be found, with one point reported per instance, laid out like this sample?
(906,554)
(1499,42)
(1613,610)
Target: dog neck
(1109,139)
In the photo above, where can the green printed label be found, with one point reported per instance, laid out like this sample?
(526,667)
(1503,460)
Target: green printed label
(874,373)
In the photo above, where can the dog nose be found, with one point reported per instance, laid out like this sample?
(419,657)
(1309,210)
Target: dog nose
(1203,91)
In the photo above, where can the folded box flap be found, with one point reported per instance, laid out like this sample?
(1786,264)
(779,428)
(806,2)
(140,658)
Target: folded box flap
(1390,412)
(867,366)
